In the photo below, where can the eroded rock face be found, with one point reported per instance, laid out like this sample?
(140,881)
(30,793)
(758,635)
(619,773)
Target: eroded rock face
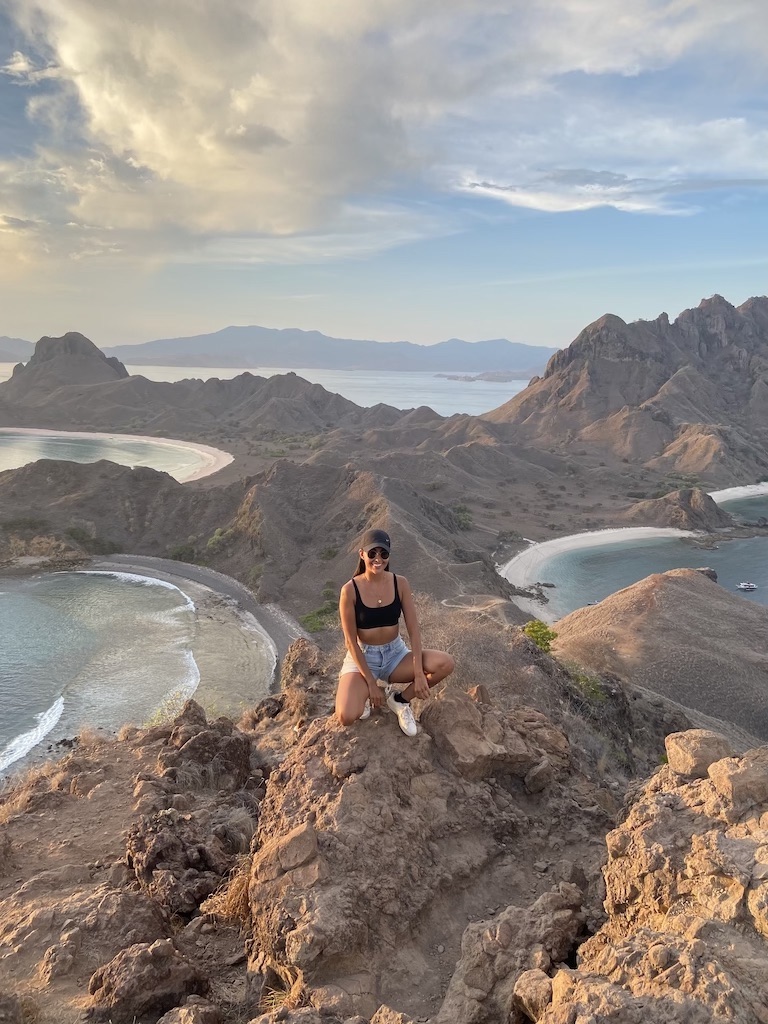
(216,752)
(175,861)
(38,920)
(145,978)
(504,961)
(691,753)
(362,830)
(687,899)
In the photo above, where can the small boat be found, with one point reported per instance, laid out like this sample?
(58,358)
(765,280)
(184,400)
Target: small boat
(747,586)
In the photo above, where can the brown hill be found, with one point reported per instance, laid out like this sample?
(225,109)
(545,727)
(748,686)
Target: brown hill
(680,635)
(690,395)
(58,362)
(70,384)
(687,509)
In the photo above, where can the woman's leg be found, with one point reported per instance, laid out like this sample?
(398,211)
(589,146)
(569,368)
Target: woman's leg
(351,696)
(437,666)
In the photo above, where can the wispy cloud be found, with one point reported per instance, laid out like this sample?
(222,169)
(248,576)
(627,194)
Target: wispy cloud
(274,131)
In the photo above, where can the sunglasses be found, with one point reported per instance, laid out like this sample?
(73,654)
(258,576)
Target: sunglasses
(378,551)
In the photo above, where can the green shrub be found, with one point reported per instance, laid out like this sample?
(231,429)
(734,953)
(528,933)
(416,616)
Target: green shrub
(321,618)
(219,540)
(328,553)
(589,684)
(463,515)
(183,553)
(540,633)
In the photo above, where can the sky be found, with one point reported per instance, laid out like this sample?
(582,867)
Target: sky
(396,170)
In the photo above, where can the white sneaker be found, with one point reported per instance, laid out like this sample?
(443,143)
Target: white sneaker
(366,711)
(404,714)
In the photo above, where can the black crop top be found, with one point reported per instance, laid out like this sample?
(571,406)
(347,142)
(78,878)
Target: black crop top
(367,617)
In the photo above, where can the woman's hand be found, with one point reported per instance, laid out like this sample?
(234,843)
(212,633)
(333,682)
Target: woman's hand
(375,695)
(420,686)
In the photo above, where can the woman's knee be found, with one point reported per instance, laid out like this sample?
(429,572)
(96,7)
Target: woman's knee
(346,717)
(444,664)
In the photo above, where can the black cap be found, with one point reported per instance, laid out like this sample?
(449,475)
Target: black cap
(376,539)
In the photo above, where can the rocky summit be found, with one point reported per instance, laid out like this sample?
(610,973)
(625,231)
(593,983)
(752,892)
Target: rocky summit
(285,869)
(689,395)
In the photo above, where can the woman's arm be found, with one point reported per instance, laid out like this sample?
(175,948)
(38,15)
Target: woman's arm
(349,626)
(420,685)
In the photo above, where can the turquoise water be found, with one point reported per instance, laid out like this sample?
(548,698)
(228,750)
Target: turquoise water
(178,460)
(593,573)
(80,648)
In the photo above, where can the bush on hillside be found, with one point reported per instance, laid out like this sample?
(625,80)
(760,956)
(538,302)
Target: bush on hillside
(540,633)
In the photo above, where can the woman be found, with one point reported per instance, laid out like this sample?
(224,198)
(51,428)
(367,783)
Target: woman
(370,607)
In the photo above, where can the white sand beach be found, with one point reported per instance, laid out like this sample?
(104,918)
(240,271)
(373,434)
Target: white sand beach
(736,493)
(213,459)
(525,569)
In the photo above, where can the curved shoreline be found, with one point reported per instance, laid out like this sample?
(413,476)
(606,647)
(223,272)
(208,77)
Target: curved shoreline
(232,631)
(522,570)
(744,491)
(214,459)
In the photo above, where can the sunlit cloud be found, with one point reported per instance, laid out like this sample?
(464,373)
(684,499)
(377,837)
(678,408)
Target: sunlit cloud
(273,132)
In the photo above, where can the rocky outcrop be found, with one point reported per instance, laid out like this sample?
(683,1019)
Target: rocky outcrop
(364,834)
(686,895)
(688,509)
(178,858)
(689,395)
(682,636)
(685,936)
(504,963)
(143,979)
(61,362)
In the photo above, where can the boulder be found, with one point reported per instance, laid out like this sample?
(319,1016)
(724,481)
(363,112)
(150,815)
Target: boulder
(533,993)
(195,1010)
(215,755)
(742,782)
(142,979)
(691,753)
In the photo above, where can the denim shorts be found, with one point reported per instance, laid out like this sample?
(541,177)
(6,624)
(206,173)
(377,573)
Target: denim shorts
(382,659)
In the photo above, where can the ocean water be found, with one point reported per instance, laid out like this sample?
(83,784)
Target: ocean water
(369,387)
(593,573)
(85,648)
(364,387)
(179,460)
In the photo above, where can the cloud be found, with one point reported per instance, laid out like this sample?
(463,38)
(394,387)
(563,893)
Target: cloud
(202,130)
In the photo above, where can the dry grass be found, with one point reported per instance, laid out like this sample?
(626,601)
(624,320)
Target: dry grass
(19,789)
(231,900)
(235,828)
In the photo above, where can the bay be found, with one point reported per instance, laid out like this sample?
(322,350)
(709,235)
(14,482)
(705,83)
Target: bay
(403,390)
(85,648)
(182,461)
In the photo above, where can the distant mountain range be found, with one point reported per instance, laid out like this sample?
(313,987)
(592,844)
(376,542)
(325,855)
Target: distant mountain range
(14,349)
(292,349)
(254,347)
